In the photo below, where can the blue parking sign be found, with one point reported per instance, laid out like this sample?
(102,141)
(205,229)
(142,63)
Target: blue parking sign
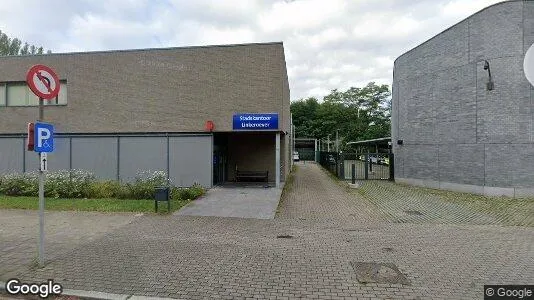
(44,137)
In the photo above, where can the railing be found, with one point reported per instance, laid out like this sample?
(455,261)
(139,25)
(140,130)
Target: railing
(366,165)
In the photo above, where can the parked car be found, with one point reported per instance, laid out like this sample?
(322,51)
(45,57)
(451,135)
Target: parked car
(296,156)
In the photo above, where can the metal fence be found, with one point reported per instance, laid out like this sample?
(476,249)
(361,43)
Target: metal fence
(308,155)
(359,166)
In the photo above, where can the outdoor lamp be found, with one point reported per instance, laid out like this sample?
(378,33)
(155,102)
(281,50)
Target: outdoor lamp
(489,85)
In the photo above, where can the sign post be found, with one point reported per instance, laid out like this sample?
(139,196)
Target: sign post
(44,83)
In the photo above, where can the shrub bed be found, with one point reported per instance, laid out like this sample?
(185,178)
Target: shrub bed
(83,184)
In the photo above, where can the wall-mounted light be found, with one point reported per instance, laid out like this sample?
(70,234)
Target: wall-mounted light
(489,86)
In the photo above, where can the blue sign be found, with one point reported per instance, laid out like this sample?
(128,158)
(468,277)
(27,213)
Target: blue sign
(44,137)
(255,122)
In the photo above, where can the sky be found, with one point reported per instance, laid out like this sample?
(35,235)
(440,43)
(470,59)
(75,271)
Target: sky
(329,44)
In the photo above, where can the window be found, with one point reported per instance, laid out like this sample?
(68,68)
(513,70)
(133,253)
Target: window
(2,94)
(19,94)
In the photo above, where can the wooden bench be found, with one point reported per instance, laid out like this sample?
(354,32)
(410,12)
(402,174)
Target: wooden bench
(252,175)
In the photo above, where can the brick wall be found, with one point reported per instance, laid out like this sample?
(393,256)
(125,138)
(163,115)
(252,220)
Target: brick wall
(454,130)
(157,90)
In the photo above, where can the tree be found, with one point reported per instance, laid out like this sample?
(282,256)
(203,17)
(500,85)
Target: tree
(357,113)
(13,46)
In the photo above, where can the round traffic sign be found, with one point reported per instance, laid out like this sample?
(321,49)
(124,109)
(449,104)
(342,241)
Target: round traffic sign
(528,64)
(43,82)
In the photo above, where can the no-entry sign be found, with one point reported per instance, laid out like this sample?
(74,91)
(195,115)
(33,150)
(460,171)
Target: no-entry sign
(43,82)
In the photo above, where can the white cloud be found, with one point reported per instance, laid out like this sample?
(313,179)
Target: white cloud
(328,44)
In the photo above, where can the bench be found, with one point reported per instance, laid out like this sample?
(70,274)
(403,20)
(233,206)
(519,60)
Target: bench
(252,175)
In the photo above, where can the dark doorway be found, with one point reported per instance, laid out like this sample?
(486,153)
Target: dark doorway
(220,159)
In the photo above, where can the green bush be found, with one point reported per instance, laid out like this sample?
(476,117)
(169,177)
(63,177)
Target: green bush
(82,184)
(69,184)
(197,191)
(105,189)
(190,193)
(145,184)
(20,184)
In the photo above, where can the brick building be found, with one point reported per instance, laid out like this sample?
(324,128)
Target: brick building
(121,112)
(454,127)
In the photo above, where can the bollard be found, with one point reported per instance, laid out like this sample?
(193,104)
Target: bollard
(353,173)
(366,166)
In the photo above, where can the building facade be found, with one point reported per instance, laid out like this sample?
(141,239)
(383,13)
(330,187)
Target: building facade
(454,127)
(124,112)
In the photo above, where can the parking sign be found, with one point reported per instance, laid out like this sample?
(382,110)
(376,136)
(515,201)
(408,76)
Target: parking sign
(44,137)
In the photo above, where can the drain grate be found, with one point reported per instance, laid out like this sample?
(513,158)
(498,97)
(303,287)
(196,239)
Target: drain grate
(413,212)
(286,236)
(371,272)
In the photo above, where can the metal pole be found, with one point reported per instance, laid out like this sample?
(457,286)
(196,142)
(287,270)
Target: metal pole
(315,152)
(353,173)
(277,155)
(41,196)
(292,129)
(328,141)
(337,140)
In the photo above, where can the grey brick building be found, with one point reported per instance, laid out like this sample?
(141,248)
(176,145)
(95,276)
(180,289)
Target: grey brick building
(449,130)
(121,112)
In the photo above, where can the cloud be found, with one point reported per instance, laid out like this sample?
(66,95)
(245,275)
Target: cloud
(329,45)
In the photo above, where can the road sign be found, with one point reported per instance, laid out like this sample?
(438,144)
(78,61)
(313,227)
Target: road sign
(44,162)
(44,137)
(43,82)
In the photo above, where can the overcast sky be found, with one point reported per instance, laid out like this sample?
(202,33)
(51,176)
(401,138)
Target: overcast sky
(328,43)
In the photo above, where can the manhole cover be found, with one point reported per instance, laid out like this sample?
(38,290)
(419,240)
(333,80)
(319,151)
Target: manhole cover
(286,236)
(370,272)
(413,212)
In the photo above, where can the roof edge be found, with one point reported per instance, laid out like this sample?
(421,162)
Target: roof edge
(145,49)
(450,27)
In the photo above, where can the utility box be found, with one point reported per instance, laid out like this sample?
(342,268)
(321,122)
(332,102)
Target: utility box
(162,194)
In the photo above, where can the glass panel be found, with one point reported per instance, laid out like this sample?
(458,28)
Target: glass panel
(33,100)
(2,95)
(62,97)
(17,95)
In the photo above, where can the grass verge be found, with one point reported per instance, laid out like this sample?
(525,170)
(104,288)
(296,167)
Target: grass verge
(100,205)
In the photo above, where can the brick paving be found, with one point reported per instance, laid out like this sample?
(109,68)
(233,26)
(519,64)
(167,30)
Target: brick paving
(231,258)
(444,207)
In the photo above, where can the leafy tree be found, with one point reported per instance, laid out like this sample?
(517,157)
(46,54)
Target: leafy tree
(13,46)
(357,113)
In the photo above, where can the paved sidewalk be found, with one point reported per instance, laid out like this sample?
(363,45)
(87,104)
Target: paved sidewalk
(316,197)
(64,231)
(307,251)
(238,202)
(410,204)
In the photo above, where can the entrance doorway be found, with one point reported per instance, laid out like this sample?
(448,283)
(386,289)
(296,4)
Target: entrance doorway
(247,158)
(220,159)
